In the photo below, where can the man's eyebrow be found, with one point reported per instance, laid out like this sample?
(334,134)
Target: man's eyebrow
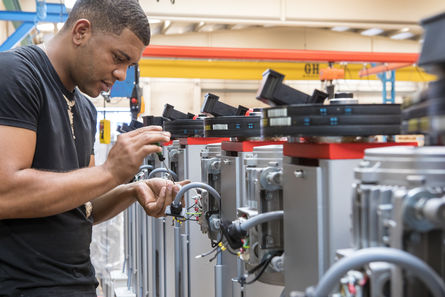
(124,54)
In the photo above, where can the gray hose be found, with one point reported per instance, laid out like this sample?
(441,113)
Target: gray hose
(189,186)
(147,167)
(362,257)
(164,170)
(261,218)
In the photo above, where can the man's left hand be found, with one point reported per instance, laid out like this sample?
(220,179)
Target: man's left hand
(156,193)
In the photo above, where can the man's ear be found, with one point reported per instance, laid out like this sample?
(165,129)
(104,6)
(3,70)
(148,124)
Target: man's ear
(81,31)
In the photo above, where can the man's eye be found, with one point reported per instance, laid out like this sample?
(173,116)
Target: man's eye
(117,59)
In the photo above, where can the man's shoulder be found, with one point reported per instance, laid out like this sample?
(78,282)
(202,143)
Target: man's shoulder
(22,53)
(20,60)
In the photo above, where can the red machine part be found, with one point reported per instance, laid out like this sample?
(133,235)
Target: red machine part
(245,146)
(334,151)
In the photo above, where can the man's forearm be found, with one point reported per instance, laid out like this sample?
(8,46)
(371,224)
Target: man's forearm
(113,202)
(31,193)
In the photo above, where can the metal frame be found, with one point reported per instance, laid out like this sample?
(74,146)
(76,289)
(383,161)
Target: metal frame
(46,12)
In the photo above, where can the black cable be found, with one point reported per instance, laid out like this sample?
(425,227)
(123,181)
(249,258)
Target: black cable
(263,265)
(216,255)
(214,244)
(229,249)
(261,272)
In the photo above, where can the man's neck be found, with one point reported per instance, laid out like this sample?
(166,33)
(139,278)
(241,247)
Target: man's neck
(57,55)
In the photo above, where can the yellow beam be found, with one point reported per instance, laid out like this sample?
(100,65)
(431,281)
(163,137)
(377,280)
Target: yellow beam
(243,70)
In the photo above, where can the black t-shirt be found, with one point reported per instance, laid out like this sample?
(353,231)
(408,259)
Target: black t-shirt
(51,252)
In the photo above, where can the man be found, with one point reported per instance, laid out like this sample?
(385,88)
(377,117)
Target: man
(47,130)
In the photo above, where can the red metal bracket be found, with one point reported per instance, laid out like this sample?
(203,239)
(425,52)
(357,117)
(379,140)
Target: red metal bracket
(245,146)
(201,140)
(334,151)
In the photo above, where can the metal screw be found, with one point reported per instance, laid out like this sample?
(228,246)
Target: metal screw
(299,173)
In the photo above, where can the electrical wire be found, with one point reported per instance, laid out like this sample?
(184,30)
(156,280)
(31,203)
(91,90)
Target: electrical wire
(206,253)
(217,253)
(229,249)
(263,266)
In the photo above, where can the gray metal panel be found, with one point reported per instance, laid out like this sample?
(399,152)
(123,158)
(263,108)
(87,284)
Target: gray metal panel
(170,242)
(301,226)
(230,186)
(338,178)
(317,218)
(201,272)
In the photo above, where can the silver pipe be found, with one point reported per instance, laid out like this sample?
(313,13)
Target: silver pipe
(163,170)
(154,260)
(194,185)
(145,256)
(362,257)
(185,274)
(178,263)
(261,218)
(218,275)
(146,167)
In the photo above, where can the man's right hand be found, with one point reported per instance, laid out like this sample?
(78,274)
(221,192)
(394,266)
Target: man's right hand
(131,148)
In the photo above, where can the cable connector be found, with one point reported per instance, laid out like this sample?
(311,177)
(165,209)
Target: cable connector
(175,210)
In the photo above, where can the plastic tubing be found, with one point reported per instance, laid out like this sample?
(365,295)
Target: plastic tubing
(165,170)
(261,218)
(194,185)
(362,257)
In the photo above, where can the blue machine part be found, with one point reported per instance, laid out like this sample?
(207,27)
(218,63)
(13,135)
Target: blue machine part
(46,12)
(124,88)
(388,80)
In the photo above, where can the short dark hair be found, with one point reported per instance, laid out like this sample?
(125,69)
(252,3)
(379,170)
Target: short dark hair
(112,16)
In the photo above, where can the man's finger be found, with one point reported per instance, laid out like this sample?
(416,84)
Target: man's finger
(153,208)
(143,130)
(168,199)
(160,202)
(153,137)
(184,182)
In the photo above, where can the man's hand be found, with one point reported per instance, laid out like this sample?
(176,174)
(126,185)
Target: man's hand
(156,194)
(130,150)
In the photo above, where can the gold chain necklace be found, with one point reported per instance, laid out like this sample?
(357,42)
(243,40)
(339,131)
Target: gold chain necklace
(70,104)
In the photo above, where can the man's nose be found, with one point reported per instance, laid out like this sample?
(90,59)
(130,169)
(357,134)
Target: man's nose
(120,73)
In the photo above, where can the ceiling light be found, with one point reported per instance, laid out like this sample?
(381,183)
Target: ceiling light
(372,32)
(404,29)
(340,28)
(402,35)
(69,3)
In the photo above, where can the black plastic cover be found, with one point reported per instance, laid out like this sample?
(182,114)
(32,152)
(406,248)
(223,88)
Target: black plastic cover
(318,97)
(274,93)
(231,234)
(171,113)
(154,121)
(213,106)
(433,49)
